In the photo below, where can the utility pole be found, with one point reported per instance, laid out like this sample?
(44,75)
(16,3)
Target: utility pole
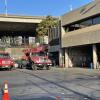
(6,10)
(71,8)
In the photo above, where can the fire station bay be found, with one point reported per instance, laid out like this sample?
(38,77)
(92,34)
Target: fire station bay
(80,37)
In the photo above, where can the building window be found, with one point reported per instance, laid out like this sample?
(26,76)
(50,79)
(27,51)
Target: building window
(86,23)
(96,20)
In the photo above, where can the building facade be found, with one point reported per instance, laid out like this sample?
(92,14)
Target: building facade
(80,36)
(54,43)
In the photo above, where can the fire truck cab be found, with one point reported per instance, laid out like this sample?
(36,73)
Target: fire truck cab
(36,58)
(6,61)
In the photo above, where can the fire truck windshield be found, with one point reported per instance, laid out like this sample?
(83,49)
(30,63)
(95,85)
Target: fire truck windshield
(38,54)
(4,55)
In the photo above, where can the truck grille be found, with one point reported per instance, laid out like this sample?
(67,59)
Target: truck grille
(43,59)
(5,62)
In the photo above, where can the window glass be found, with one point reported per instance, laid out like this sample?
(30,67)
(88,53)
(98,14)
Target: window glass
(96,20)
(86,23)
(38,54)
(34,54)
(4,56)
(82,24)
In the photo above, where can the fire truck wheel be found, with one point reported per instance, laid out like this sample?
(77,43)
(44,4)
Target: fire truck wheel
(44,67)
(10,68)
(22,66)
(13,68)
(34,67)
(48,67)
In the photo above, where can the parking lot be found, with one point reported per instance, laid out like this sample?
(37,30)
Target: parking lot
(67,84)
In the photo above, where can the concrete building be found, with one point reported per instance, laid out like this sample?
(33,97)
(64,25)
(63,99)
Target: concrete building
(80,36)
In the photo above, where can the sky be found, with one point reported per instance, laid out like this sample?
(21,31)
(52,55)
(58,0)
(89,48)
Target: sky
(40,7)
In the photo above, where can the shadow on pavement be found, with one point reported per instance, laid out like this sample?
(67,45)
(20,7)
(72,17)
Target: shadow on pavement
(35,98)
(2,69)
(66,88)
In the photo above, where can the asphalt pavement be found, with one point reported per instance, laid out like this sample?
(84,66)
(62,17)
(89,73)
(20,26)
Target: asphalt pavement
(66,84)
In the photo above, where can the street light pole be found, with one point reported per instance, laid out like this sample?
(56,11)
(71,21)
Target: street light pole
(6,10)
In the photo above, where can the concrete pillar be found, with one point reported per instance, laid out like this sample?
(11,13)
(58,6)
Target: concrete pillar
(62,33)
(94,56)
(66,58)
(60,58)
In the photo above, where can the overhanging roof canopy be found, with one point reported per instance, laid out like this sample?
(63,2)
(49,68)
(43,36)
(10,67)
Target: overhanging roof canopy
(12,23)
(21,19)
(16,27)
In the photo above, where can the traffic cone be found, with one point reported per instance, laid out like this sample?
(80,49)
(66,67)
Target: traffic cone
(56,98)
(6,94)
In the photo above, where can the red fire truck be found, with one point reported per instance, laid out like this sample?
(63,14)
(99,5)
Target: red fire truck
(6,61)
(36,58)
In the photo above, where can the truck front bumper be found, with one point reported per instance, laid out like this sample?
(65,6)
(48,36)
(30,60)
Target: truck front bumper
(5,66)
(39,64)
